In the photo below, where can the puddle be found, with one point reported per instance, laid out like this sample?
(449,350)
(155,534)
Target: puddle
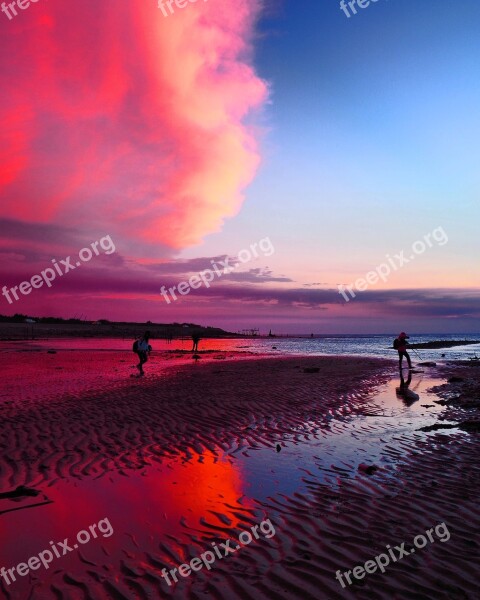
(168,511)
(380,437)
(170,505)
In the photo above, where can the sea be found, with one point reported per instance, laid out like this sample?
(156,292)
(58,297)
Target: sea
(346,345)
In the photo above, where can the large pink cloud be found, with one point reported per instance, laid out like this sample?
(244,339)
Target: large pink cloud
(120,119)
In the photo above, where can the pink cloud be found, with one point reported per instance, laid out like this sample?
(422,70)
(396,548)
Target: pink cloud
(123,120)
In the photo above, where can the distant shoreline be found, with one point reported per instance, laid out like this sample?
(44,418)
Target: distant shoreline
(37,331)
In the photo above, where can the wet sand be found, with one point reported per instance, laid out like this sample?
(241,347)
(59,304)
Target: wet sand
(196,453)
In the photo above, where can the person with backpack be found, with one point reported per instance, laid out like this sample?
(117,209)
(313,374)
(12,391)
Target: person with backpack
(142,348)
(400,344)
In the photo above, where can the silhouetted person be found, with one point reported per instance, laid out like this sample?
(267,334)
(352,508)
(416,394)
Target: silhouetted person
(195,338)
(143,350)
(401,345)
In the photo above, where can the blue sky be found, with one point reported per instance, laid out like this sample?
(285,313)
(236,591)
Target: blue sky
(371,142)
(372,128)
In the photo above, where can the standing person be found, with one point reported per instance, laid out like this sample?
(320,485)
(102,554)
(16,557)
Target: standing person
(195,339)
(143,350)
(401,344)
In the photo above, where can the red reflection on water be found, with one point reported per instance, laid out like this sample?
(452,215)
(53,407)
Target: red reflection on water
(182,344)
(156,510)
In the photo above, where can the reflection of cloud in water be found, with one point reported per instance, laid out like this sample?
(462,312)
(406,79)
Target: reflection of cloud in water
(161,511)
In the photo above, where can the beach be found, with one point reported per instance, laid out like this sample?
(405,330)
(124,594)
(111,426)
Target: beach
(196,453)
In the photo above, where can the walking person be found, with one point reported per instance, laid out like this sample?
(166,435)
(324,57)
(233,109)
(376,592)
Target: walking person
(195,339)
(143,350)
(400,344)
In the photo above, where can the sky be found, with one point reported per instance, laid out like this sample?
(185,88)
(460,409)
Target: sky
(281,149)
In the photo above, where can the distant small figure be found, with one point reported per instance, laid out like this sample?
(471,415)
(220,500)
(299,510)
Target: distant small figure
(143,350)
(195,338)
(401,344)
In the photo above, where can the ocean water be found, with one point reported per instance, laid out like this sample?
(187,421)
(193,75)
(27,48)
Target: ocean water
(363,345)
(373,345)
